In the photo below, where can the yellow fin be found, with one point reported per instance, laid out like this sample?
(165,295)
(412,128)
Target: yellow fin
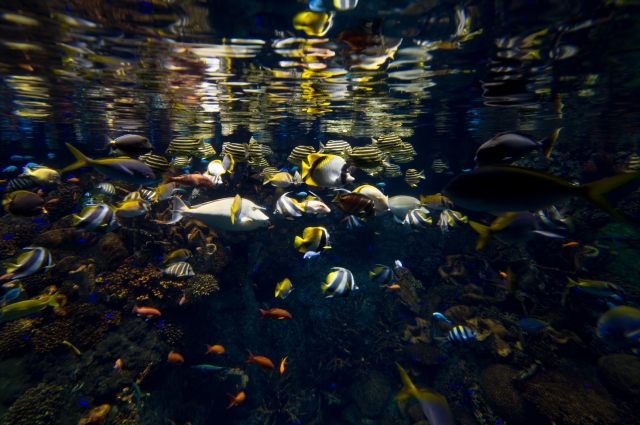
(234,208)
(594,192)
(298,241)
(81,160)
(572,283)
(484,232)
(11,267)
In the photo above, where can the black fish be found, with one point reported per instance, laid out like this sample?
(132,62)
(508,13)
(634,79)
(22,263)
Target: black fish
(23,203)
(505,148)
(130,144)
(354,204)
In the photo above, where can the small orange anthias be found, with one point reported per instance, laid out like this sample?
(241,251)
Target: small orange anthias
(147,312)
(261,361)
(175,358)
(118,366)
(275,313)
(214,349)
(236,400)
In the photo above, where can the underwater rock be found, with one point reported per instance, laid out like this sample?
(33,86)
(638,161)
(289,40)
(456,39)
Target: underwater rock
(12,337)
(410,288)
(63,239)
(422,353)
(417,332)
(113,249)
(505,342)
(37,406)
(620,374)
(498,390)
(7,249)
(371,393)
(570,399)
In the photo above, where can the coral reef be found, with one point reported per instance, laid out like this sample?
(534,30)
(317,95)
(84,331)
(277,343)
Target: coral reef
(500,393)
(371,394)
(620,374)
(37,406)
(113,249)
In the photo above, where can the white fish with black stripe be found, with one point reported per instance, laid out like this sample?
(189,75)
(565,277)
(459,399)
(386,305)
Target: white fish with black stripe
(179,270)
(459,335)
(339,283)
(418,219)
(287,207)
(96,218)
(35,260)
(104,187)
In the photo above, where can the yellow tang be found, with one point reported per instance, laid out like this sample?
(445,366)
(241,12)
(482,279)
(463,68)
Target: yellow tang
(26,308)
(313,23)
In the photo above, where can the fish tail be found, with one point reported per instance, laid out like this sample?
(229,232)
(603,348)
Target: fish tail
(53,301)
(421,175)
(250,356)
(572,283)
(408,389)
(484,233)
(594,192)
(548,142)
(266,179)
(262,313)
(337,198)
(81,160)
(180,209)
(298,241)
(107,142)
(233,400)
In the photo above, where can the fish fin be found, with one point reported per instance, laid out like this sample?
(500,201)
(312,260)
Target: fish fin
(548,234)
(53,301)
(11,267)
(81,160)
(594,192)
(298,241)
(266,180)
(234,208)
(408,389)
(371,274)
(397,220)
(337,198)
(484,232)
(421,174)
(108,142)
(572,283)
(634,334)
(179,211)
(548,142)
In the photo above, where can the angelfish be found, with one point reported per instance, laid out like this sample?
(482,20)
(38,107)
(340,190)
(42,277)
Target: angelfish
(433,404)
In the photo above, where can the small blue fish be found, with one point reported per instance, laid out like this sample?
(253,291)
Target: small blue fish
(109,315)
(82,402)
(32,164)
(10,295)
(301,194)
(27,157)
(466,170)
(51,155)
(442,318)
(16,157)
(316,6)
(533,324)
(208,367)
(283,169)
(7,237)
(295,168)
(381,184)
(92,297)
(10,169)
(161,324)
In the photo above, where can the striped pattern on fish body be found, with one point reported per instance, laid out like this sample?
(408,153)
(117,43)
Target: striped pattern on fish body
(354,204)
(179,270)
(157,163)
(388,142)
(96,218)
(335,147)
(401,159)
(418,219)
(392,170)
(269,172)
(633,163)
(147,194)
(412,177)
(325,171)
(257,150)
(314,239)
(288,208)
(35,260)
(366,156)
(454,218)
(183,145)
(132,208)
(299,154)
(181,162)
(239,151)
(373,171)
(258,162)
(461,335)
(382,275)
(21,183)
(106,188)
(205,150)
(439,166)
(339,283)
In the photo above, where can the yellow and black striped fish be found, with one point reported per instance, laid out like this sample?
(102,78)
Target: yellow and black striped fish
(335,147)
(382,275)
(439,166)
(392,170)
(339,283)
(96,218)
(36,260)
(157,163)
(240,151)
(412,177)
(205,150)
(388,142)
(183,146)
(299,154)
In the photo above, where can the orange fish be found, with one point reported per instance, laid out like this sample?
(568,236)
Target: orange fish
(394,287)
(273,226)
(25,66)
(236,400)
(118,366)
(275,313)
(175,358)
(568,244)
(147,312)
(263,362)
(284,362)
(183,299)
(40,192)
(73,180)
(503,274)
(214,349)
